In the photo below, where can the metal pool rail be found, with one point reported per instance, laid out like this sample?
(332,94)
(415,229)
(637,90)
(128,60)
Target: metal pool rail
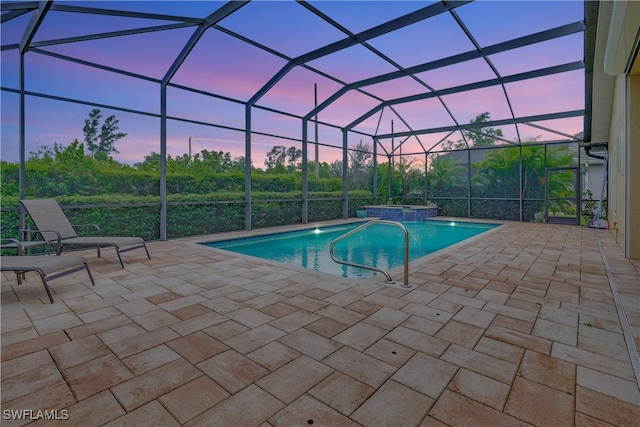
(362,227)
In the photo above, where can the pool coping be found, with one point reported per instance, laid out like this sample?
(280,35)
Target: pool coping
(397,273)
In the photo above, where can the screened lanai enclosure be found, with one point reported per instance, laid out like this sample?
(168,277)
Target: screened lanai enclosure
(174,118)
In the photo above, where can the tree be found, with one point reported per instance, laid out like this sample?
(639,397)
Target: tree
(281,159)
(70,155)
(483,137)
(294,156)
(73,154)
(335,169)
(217,161)
(90,130)
(276,157)
(359,165)
(384,169)
(203,162)
(324,170)
(239,163)
(445,175)
(44,152)
(407,171)
(498,174)
(151,163)
(103,143)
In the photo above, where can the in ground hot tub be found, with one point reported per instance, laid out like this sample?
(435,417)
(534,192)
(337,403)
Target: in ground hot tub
(401,212)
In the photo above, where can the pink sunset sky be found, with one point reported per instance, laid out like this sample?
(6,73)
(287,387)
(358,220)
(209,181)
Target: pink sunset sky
(235,70)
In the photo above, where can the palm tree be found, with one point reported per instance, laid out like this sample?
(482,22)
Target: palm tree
(445,175)
(498,174)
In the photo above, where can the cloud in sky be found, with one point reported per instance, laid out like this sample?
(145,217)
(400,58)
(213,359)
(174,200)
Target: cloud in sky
(229,67)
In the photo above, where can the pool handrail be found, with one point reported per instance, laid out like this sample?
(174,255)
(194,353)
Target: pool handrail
(368,224)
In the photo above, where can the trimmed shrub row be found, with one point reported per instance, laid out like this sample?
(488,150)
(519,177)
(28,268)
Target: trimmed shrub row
(189,214)
(46,181)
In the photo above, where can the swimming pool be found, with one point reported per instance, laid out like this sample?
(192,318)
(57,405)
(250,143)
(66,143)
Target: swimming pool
(380,245)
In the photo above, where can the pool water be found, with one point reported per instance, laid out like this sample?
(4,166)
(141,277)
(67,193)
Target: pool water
(380,245)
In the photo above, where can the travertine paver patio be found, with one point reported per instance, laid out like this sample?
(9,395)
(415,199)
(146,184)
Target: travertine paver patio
(516,327)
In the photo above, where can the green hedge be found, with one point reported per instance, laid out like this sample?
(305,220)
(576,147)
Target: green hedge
(451,207)
(47,181)
(496,209)
(189,214)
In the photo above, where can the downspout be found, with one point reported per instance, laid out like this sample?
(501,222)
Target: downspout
(587,151)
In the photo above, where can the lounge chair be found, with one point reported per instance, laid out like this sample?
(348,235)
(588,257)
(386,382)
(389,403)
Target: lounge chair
(20,246)
(44,265)
(54,226)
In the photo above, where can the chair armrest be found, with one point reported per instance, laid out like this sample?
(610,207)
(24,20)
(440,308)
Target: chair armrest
(24,232)
(15,243)
(31,242)
(94,226)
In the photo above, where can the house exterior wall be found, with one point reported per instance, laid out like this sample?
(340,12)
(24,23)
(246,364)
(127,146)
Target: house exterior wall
(633,160)
(624,158)
(617,136)
(594,178)
(622,62)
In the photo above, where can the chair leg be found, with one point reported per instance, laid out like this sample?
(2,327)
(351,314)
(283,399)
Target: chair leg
(119,257)
(147,250)
(86,266)
(46,286)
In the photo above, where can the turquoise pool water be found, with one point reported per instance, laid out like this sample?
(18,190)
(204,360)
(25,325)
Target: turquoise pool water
(380,245)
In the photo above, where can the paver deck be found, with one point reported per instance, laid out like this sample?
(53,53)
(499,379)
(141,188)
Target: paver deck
(518,326)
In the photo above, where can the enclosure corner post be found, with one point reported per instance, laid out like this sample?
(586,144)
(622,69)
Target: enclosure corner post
(247,168)
(345,175)
(163,161)
(375,171)
(305,173)
(22,175)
